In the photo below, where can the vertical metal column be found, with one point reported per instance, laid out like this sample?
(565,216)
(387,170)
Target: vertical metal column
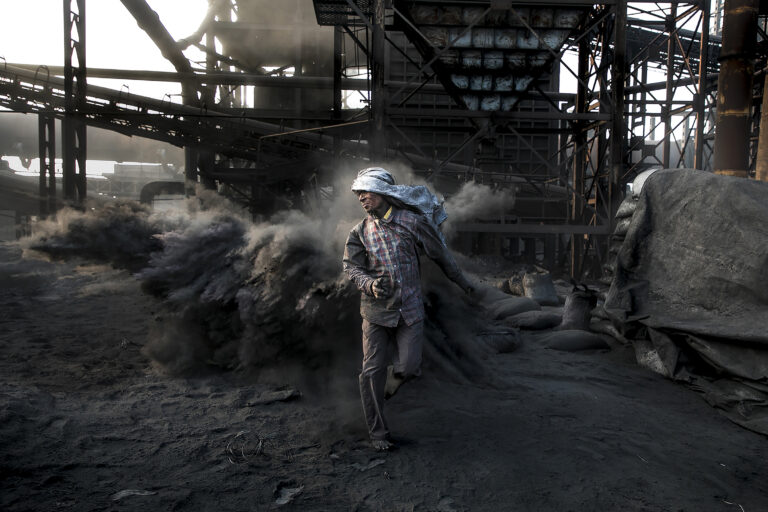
(719,17)
(338,70)
(761,163)
(618,131)
(74,146)
(47,153)
(700,102)
(206,159)
(734,88)
(211,64)
(378,93)
(579,161)
(647,131)
(670,91)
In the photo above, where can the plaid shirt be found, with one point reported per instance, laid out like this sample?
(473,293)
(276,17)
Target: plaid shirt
(387,246)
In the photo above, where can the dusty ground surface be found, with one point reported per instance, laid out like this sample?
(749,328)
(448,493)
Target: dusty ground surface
(87,423)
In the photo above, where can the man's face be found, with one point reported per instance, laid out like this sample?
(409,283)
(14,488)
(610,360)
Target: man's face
(371,201)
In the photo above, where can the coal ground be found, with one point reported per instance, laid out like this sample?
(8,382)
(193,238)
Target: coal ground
(88,423)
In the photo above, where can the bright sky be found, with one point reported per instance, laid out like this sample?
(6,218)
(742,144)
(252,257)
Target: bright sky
(32,33)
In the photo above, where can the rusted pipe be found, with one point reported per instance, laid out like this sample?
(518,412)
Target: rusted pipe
(761,165)
(734,88)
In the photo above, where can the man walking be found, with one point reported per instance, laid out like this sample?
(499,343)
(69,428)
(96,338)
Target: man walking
(381,258)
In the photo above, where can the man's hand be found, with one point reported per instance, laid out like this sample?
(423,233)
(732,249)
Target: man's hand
(381,287)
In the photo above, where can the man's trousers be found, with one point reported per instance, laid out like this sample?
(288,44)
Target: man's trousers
(378,341)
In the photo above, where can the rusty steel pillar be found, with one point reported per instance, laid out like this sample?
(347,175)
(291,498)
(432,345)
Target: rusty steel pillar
(47,153)
(670,90)
(618,129)
(74,147)
(734,88)
(700,101)
(761,164)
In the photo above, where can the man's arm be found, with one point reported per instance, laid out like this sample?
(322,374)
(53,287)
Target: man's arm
(355,262)
(429,239)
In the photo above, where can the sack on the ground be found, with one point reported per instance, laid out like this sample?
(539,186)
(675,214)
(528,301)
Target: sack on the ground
(538,286)
(512,306)
(578,308)
(533,320)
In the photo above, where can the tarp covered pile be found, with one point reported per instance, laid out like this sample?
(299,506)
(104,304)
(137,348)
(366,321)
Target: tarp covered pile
(691,287)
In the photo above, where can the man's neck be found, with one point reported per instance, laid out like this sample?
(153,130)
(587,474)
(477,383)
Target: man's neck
(381,212)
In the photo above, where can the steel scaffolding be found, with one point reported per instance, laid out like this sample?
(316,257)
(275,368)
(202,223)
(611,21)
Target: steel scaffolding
(556,151)
(558,103)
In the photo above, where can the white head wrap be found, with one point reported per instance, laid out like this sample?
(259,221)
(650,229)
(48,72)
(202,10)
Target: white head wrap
(380,181)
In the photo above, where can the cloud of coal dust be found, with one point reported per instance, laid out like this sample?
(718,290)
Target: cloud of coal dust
(264,292)
(247,295)
(476,201)
(121,233)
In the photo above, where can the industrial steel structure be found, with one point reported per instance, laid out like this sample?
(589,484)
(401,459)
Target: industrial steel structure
(455,90)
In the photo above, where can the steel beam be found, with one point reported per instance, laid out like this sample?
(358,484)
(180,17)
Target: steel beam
(531,229)
(702,89)
(657,86)
(338,75)
(149,22)
(378,73)
(505,4)
(74,141)
(579,161)
(469,140)
(671,27)
(618,74)
(47,153)
(482,114)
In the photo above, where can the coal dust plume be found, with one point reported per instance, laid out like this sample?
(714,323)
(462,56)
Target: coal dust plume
(245,295)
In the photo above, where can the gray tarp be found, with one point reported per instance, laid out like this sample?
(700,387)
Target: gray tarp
(691,287)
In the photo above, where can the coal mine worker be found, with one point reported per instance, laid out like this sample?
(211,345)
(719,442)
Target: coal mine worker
(381,257)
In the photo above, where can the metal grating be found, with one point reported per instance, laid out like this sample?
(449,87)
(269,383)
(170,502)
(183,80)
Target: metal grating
(340,12)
